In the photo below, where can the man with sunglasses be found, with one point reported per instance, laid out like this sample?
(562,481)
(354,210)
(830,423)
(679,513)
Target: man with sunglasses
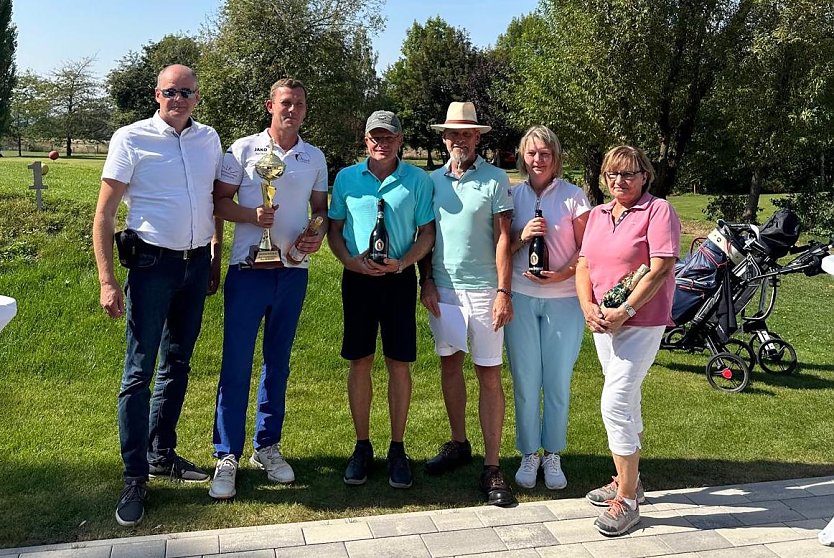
(164,168)
(272,295)
(380,296)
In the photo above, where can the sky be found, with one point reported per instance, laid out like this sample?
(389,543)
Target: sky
(50,33)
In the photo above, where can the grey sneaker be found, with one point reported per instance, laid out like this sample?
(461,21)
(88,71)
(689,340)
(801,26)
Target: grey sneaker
(554,477)
(527,472)
(223,483)
(617,519)
(601,495)
(276,467)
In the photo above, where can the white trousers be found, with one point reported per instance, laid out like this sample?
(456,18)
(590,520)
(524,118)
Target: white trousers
(625,356)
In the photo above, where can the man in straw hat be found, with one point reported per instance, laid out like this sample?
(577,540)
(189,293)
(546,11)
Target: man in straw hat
(469,275)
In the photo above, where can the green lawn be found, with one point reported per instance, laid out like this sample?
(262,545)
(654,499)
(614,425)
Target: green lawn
(60,362)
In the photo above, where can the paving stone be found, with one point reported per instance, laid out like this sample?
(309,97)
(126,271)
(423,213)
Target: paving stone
(668,501)
(275,537)
(753,551)
(336,532)
(149,549)
(519,553)
(574,531)
(821,486)
(576,550)
(263,553)
(525,536)
(696,541)
(192,546)
(573,509)
(662,523)
(720,496)
(102,551)
(329,550)
(454,520)
(815,507)
(469,541)
(493,515)
(808,548)
(807,528)
(398,526)
(775,490)
(765,512)
(759,534)
(398,547)
(628,547)
(712,519)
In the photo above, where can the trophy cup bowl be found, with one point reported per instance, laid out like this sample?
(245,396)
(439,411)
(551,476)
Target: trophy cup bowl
(265,254)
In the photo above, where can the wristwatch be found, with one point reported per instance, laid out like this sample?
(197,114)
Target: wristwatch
(629,309)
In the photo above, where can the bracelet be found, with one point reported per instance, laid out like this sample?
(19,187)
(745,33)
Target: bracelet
(521,238)
(506,292)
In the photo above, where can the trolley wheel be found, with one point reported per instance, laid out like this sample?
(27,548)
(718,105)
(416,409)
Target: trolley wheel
(777,356)
(741,350)
(727,372)
(756,343)
(673,337)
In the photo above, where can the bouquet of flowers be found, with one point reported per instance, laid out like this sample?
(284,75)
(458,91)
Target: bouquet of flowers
(618,294)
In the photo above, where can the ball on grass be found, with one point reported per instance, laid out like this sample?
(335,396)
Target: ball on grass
(53,155)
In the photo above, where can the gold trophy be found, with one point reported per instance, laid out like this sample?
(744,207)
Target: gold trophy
(269,167)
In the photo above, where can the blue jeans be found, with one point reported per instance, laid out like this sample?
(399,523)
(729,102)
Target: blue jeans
(543,341)
(164,296)
(251,295)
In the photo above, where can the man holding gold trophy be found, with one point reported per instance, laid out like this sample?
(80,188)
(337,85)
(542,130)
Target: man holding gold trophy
(276,177)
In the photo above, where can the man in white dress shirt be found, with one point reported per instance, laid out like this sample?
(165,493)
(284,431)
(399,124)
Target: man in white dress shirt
(164,168)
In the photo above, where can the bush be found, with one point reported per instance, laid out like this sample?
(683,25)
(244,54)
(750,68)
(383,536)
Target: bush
(815,210)
(725,206)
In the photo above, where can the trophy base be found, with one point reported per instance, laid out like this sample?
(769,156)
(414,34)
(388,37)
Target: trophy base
(264,259)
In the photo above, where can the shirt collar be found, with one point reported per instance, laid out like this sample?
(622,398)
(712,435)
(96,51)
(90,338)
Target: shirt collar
(549,188)
(641,204)
(474,166)
(395,174)
(163,127)
(299,147)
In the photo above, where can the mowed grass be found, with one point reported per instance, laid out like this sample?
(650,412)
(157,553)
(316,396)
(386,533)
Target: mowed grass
(61,359)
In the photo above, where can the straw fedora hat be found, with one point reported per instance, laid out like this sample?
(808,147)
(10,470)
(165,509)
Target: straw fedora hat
(461,116)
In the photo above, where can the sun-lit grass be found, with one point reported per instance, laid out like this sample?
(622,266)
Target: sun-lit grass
(60,365)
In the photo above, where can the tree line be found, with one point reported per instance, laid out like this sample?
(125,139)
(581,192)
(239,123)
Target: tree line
(726,96)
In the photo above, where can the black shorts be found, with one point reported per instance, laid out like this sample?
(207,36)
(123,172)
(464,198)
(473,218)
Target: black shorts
(388,304)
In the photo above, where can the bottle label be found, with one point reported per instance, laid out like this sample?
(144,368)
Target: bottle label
(534,259)
(379,245)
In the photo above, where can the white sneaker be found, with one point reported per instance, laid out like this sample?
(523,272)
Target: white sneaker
(554,477)
(527,472)
(223,483)
(276,467)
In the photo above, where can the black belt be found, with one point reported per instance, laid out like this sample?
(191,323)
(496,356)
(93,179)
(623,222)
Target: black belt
(179,254)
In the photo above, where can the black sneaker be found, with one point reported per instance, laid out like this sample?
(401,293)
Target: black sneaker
(359,465)
(495,488)
(179,469)
(131,507)
(452,454)
(399,470)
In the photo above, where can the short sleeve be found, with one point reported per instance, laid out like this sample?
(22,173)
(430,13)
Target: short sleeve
(581,205)
(338,208)
(321,175)
(502,199)
(231,171)
(424,213)
(120,160)
(664,230)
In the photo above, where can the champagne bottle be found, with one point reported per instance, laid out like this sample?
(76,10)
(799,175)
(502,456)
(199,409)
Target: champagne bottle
(538,258)
(618,294)
(295,256)
(378,249)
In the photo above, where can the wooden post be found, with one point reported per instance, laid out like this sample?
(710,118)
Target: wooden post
(37,171)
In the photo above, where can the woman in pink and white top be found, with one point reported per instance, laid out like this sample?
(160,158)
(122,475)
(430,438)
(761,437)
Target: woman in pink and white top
(635,228)
(546,332)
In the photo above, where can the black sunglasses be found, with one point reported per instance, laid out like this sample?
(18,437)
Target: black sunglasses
(170,93)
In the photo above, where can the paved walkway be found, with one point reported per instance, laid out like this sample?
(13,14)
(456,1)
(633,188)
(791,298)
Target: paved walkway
(780,518)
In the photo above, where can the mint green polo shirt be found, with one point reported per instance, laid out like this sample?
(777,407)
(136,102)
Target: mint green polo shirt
(407,193)
(464,247)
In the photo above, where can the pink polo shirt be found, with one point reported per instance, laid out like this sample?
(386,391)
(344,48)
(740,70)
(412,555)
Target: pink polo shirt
(650,229)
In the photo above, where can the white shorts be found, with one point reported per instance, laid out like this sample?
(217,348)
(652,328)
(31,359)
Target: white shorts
(485,345)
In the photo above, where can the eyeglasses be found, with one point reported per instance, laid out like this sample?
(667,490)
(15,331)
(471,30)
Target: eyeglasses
(627,175)
(382,140)
(171,92)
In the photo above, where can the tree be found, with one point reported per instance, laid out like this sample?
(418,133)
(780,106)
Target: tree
(324,43)
(8,45)
(131,84)
(437,60)
(78,111)
(623,71)
(29,109)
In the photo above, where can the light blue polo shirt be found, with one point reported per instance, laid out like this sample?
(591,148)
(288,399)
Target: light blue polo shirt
(464,247)
(407,193)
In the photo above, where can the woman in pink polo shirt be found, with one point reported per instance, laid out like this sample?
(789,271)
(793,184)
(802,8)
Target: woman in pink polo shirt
(635,228)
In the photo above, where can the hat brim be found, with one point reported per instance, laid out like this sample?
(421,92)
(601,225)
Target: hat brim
(441,127)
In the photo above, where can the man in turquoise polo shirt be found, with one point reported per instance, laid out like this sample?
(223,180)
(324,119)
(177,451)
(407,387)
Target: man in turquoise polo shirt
(380,296)
(470,274)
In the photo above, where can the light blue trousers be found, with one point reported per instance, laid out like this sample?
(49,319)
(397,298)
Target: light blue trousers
(543,341)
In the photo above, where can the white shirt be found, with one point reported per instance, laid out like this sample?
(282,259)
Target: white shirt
(561,203)
(169,177)
(305,172)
